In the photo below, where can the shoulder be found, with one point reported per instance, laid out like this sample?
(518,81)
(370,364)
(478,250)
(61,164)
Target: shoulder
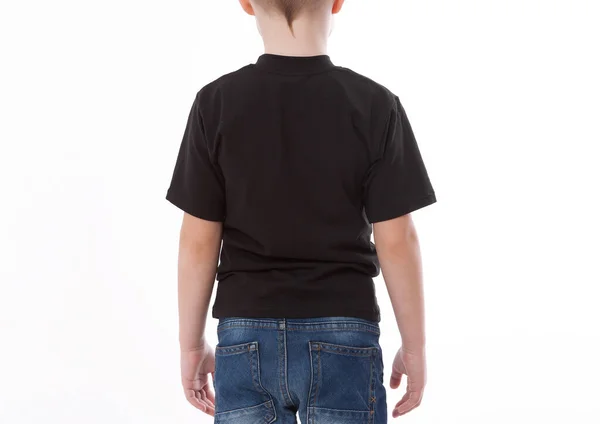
(213,90)
(379,103)
(380,96)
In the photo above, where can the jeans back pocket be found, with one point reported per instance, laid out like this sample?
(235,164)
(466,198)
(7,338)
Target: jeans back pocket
(239,395)
(342,384)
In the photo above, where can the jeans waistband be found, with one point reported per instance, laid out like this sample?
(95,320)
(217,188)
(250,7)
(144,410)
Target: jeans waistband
(300,324)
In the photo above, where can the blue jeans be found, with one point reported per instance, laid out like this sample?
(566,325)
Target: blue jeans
(328,370)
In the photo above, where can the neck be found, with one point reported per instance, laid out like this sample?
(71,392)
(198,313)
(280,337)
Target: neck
(309,37)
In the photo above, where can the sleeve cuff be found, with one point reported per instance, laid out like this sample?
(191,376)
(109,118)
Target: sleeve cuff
(404,209)
(207,213)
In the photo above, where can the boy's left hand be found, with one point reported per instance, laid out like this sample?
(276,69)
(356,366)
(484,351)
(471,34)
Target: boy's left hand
(195,366)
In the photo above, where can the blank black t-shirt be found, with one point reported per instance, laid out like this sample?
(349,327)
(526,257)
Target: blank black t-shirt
(297,158)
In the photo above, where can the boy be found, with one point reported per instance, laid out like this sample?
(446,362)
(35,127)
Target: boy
(292,163)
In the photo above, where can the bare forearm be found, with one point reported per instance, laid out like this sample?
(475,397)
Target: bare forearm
(198,257)
(402,272)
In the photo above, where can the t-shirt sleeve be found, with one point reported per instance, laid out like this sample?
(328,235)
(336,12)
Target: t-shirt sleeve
(397,183)
(197,185)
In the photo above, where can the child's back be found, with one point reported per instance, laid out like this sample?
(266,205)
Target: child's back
(296,158)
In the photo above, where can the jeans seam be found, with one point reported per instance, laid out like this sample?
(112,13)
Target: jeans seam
(285,368)
(236,411)
(300,329)
(226,327)
(347,350)
(335,325)
(310,402)
(318,372)
(372,390)
(258,382)
(282,364)
(334,329)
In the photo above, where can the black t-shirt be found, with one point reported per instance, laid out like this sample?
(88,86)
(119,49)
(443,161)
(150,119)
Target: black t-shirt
(297,157)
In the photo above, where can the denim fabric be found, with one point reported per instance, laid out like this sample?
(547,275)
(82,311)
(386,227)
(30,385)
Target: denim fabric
(326,370)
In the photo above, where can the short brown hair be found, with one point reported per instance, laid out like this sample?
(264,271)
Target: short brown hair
(291,8)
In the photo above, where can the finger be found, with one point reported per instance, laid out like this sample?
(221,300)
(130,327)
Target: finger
(207,408)
(395,379)
(210,407)
(190,395)
(403,400)
(210,394)
(204,396)
(416,385)
(409,402)
(194,398)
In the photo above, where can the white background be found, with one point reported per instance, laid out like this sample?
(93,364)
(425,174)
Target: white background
(503,97)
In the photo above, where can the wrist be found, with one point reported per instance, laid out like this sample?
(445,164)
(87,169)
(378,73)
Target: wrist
(187,347)
(417,350)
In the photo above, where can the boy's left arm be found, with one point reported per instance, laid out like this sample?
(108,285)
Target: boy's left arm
(199,246)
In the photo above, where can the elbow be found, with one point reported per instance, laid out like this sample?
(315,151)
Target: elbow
(396,237)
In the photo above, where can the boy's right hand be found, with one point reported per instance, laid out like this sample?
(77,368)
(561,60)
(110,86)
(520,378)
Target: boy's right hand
(413,365)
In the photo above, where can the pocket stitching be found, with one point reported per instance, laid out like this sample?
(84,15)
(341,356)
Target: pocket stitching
(371,401)
(260,387)
(249,348)
(343,349)
(337,349)
(235,349)
(235,412)
(361,413)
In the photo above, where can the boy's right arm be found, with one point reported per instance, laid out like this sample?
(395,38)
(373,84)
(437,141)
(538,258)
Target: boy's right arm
(399,255)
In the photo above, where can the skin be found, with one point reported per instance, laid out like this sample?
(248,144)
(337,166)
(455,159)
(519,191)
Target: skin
(396,240)
(199,245)
(399,255)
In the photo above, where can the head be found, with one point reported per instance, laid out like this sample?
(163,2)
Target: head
(291,11)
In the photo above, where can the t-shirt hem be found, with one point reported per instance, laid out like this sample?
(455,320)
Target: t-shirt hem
(308,312)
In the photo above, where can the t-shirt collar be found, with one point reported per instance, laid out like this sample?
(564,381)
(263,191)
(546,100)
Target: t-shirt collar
(294,64)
